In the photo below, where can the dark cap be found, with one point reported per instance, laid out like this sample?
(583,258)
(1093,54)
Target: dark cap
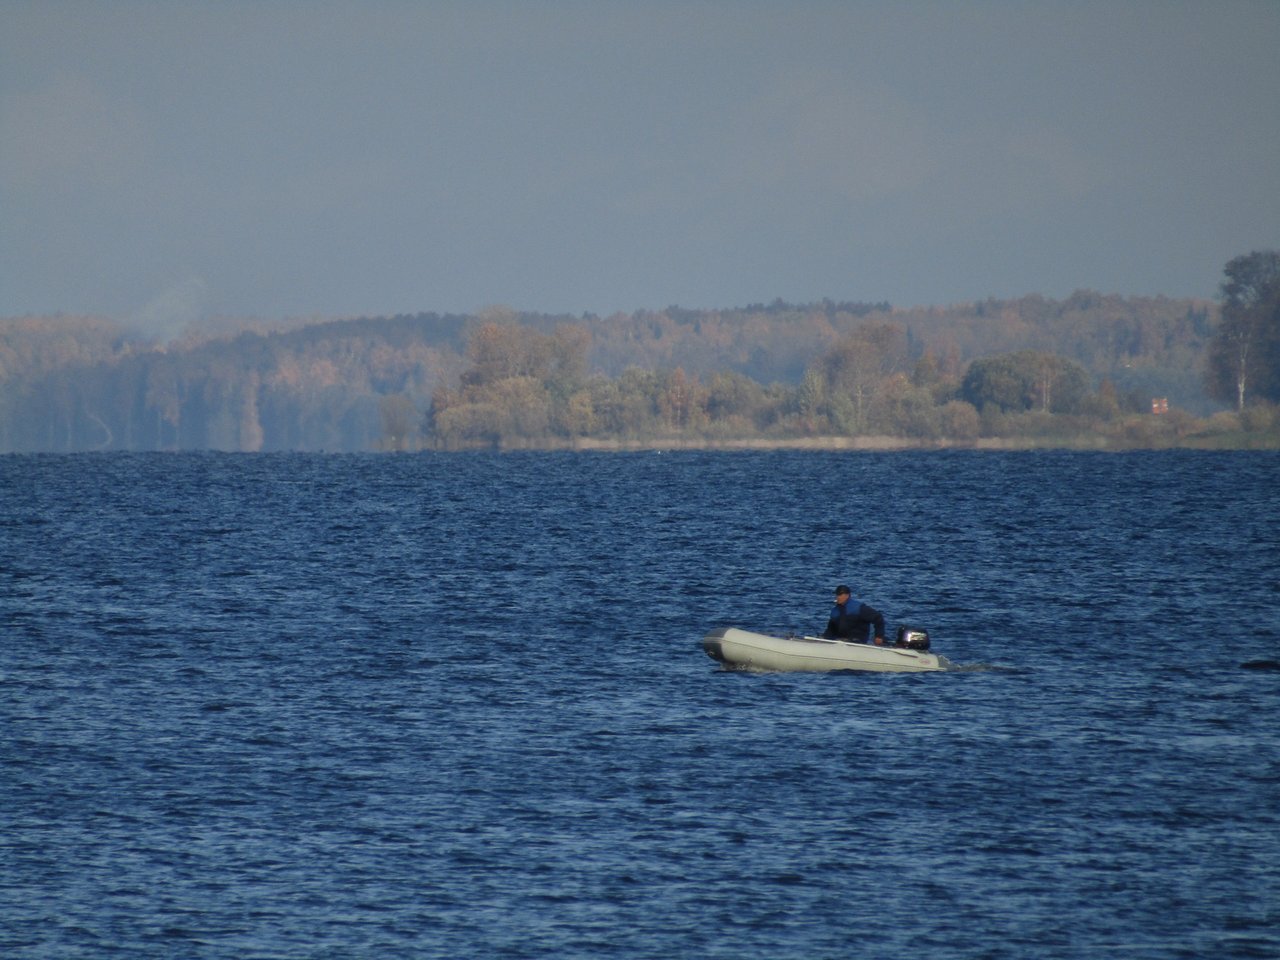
(842,589)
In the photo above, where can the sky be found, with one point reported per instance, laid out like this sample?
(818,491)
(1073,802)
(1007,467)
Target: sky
(165,163)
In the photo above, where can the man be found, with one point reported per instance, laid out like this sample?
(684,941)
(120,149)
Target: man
(850,620)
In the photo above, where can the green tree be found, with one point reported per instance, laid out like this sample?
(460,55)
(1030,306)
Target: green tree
(959,420)
(734,397)
(1244,353)
(1026,380)
(906,410)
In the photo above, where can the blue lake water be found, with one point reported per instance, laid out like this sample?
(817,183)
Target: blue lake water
(443,706)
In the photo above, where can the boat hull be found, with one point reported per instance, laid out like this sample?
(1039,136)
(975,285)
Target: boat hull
(744,650)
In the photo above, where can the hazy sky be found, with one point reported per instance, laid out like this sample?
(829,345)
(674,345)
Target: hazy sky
(166,161)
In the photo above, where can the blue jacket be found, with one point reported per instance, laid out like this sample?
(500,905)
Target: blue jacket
(850,620)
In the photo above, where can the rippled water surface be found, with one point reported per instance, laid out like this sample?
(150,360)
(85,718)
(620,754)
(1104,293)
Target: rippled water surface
(454,706)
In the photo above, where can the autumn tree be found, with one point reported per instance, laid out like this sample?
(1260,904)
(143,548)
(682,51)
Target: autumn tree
(499,351)
(521,384)
(858,366)
(682,402)
(1244,353)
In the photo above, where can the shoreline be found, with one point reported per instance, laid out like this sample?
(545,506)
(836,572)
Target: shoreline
(867,444)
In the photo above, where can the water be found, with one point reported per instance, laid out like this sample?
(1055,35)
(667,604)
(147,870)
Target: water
(456,706)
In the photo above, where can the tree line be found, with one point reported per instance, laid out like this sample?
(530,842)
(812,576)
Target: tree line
(1030,367)
(529,388)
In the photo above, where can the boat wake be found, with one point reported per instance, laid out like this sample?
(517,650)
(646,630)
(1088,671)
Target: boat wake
(977,667)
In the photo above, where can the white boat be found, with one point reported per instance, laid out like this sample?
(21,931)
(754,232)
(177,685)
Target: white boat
(744,650)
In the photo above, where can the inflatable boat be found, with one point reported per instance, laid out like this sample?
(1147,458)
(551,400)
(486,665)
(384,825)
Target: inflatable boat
(744,650)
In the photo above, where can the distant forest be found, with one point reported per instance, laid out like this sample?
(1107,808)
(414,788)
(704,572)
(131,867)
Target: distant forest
(500,378)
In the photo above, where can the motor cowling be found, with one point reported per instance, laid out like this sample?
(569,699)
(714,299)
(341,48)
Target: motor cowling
(912,638)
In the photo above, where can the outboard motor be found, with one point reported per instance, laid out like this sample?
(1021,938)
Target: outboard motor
(912,639)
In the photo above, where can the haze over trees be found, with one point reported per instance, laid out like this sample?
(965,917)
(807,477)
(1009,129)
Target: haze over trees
(1028,367)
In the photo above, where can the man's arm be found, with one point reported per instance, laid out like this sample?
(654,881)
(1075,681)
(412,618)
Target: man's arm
(873,616)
